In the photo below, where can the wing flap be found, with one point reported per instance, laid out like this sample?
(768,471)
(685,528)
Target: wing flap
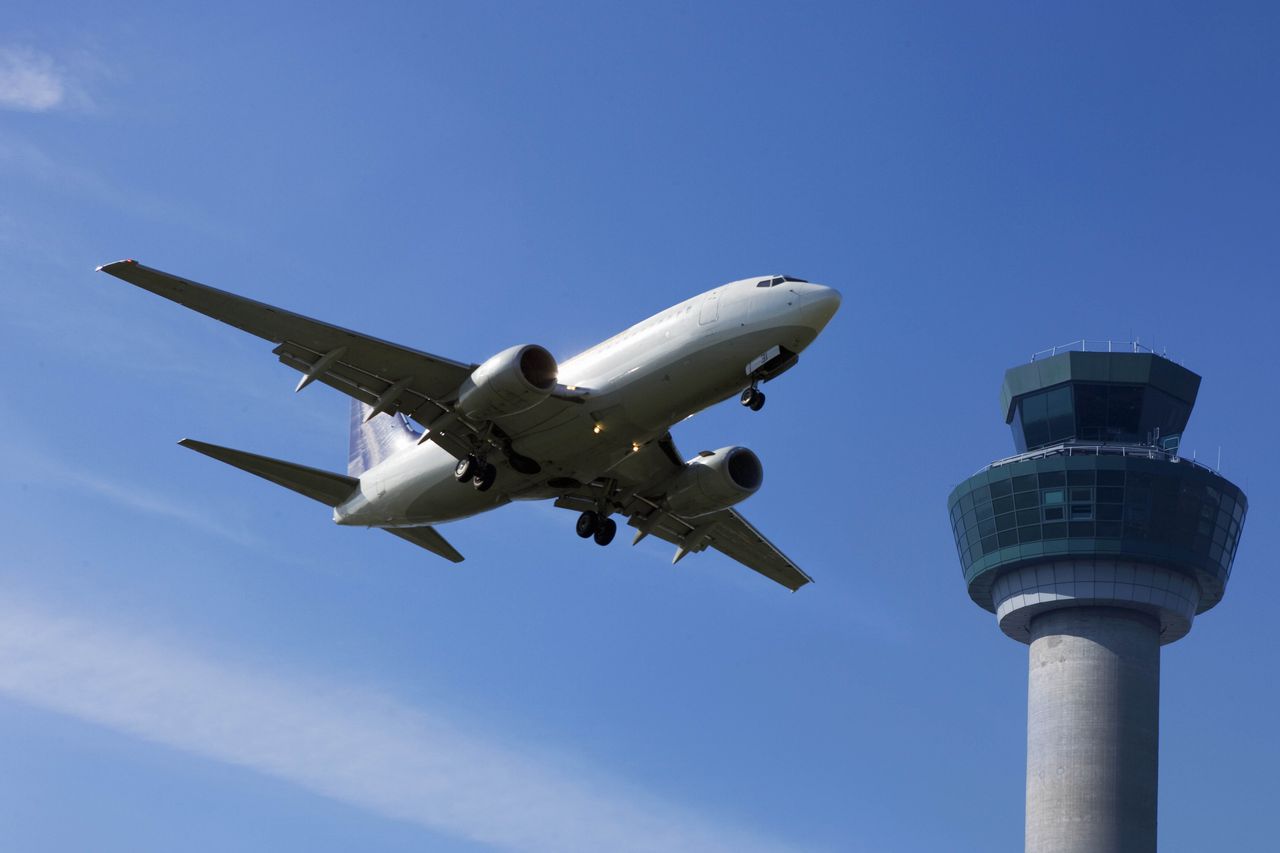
(729,533)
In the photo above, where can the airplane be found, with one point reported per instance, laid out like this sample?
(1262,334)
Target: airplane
(433,440)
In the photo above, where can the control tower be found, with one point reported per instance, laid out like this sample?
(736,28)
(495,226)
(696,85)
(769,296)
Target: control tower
(1095,545)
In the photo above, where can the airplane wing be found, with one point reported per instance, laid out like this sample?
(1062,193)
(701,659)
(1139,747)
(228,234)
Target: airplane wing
(387,376)
(732,535)
(635,486)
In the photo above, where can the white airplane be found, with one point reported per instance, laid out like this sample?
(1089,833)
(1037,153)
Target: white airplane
(592,434)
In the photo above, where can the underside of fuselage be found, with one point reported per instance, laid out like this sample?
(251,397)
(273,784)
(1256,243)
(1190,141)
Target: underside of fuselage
(579,444)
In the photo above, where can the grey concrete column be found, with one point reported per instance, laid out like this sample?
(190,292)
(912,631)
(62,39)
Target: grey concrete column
(1093,723)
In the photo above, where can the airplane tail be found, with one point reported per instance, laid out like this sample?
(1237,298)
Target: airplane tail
(328,488)
(372,441)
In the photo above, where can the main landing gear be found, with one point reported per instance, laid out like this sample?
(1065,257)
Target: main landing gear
(752,398)
(473,468)
(592,524)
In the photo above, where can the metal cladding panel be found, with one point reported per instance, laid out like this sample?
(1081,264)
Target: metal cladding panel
(1171,513)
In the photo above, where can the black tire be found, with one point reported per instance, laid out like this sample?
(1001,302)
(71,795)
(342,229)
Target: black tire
(484,480)
(748,397)
(588,523)
(757,402)
(606,531)
(467,468)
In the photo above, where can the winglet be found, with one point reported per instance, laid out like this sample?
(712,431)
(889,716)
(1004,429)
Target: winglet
(104,267)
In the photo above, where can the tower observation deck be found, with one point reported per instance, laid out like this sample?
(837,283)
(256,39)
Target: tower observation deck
(1095,545)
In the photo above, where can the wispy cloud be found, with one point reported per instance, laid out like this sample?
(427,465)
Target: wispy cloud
(31,81)
(366,750)
(30,163)
(45,468)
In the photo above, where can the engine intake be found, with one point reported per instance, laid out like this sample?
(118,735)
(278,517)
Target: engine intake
(515,380)
(715,481)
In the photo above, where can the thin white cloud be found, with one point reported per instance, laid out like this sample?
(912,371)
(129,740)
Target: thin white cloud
(31,81)
(47,470)
(30,163)
(341,742)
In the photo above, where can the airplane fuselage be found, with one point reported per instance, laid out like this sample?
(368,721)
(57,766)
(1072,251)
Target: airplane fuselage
(636,385)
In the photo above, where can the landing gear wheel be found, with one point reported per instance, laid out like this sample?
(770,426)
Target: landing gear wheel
(483,481)
(606,531)
(588,524)
(467,468)
(753,399)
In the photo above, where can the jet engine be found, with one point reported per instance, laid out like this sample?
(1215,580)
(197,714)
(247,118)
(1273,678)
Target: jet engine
(713,481)
(514,380)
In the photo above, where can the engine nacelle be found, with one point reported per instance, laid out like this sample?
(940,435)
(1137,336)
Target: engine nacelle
(715,481)
(514,380)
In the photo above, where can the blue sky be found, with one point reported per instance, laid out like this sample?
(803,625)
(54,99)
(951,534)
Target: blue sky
(192,657)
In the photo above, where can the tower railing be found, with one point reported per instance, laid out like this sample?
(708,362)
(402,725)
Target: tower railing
(1145,451)
(1084,345)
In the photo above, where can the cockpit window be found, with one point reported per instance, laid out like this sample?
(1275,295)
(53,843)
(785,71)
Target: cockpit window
(777,280)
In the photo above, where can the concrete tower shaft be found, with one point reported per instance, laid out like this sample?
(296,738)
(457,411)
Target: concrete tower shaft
(1095,545)
(1093,721)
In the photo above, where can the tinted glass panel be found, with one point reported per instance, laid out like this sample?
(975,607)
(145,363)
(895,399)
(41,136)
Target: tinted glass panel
(1061,419)
(1032,422)
(1091,408)
(1110,494)
(1124,411)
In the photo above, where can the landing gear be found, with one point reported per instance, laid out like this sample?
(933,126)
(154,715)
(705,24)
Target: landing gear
(467,467)
(483,480)
(473,468)
(606,531)
(752,398)
(588,524)
(593,524)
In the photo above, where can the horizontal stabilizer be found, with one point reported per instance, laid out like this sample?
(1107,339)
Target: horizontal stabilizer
(429,538)
(323,486)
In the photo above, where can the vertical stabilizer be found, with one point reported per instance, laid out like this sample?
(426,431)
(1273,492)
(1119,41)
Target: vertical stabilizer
(372,442)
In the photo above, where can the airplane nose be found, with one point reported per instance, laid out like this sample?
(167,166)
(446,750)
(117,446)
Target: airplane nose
(819,304)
